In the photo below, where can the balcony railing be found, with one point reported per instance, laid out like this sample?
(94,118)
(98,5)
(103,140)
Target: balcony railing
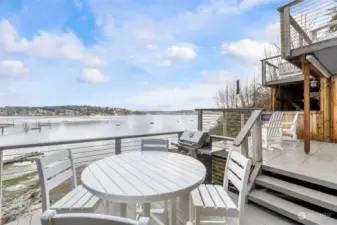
(304,22)
(275,71)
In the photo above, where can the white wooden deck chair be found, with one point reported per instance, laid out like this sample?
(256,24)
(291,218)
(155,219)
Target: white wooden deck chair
(50,217)
(274,131)
(214,200)
(291,129)
(53,170)
(154,145)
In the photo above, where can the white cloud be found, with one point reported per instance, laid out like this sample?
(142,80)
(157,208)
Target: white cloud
(192,95)
(12,68)
(46,44)
(143,83)
(180,53)
(78,4)
(246,49)
(92,76)
(247,4)
(99,21)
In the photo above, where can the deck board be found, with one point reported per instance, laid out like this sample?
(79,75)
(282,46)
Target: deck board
(320,164)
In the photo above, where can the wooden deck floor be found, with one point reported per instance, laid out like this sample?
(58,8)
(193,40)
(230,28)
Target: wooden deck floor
(320,165)
(254,215)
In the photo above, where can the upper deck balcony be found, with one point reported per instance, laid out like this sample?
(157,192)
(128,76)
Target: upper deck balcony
(277,71)
(309,30)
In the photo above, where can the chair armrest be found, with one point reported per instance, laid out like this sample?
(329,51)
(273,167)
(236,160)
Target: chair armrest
(287,123)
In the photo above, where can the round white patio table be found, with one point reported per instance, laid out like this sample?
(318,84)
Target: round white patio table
(145,177)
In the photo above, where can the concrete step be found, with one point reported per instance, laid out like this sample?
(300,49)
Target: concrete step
(291,210)
(306,194)
(299,176)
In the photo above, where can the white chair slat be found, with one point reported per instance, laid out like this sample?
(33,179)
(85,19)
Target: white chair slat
(219,203)
(83,200)
(93,201)
(67,197)
(60,155)
(196,198)
(234,180)
(237,157)
(56,169)
(60,178)
(154,145)
(225,198)
(236,168)
(73,200)
(154,148)
(206,197)
(51,218)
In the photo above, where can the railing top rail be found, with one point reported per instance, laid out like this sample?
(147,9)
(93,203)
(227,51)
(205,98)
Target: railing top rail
(292,3)
(269,58)
(229,109)
(77,141)
(248,126)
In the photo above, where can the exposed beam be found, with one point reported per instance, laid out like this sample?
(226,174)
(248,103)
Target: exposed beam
(318,66)
(306,72)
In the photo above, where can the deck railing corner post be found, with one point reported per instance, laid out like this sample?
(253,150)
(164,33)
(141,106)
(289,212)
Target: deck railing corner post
(118,146)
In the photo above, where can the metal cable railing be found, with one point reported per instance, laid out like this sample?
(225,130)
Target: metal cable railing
(310,21)
(275,69)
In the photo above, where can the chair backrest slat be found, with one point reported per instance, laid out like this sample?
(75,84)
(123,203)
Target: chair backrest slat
(154,145)
(53,170)
(293,126)
(237,172)
(51,218)
(275,124)
(52,158)
(59,179)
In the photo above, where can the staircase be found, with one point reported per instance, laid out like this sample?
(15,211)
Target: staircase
(297,199)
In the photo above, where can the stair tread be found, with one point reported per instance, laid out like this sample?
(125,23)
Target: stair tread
(289,209)
(297,191)
(300,176)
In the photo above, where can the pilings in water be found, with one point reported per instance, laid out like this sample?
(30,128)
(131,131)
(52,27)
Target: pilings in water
(36,126)
(5,125)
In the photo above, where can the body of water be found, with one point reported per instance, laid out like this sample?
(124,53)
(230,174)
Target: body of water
(68,128)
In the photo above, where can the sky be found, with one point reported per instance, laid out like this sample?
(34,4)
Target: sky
(135,54)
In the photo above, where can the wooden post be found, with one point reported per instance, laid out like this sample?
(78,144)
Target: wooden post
(257,141)
(325,105)
(306,72)
(273,98)
(118,146)
(244,147)
(199,120)
(242,120)
(224,124)
(333,114)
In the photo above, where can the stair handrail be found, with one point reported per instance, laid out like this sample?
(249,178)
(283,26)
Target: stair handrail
(253,125)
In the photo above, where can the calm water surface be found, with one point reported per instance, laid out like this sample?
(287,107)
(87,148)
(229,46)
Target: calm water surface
(67,128)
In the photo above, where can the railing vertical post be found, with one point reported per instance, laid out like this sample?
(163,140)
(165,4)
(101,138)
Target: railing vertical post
(244,147)
(264,72)
(1,171)
(224,124)
(285,31)
(118,146)
(200,120)
(257,141)
(242,120)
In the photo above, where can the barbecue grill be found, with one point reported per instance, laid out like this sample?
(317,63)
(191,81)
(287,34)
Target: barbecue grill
(197,144)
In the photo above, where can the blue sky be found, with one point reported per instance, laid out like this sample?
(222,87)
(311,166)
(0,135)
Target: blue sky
(145,54)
